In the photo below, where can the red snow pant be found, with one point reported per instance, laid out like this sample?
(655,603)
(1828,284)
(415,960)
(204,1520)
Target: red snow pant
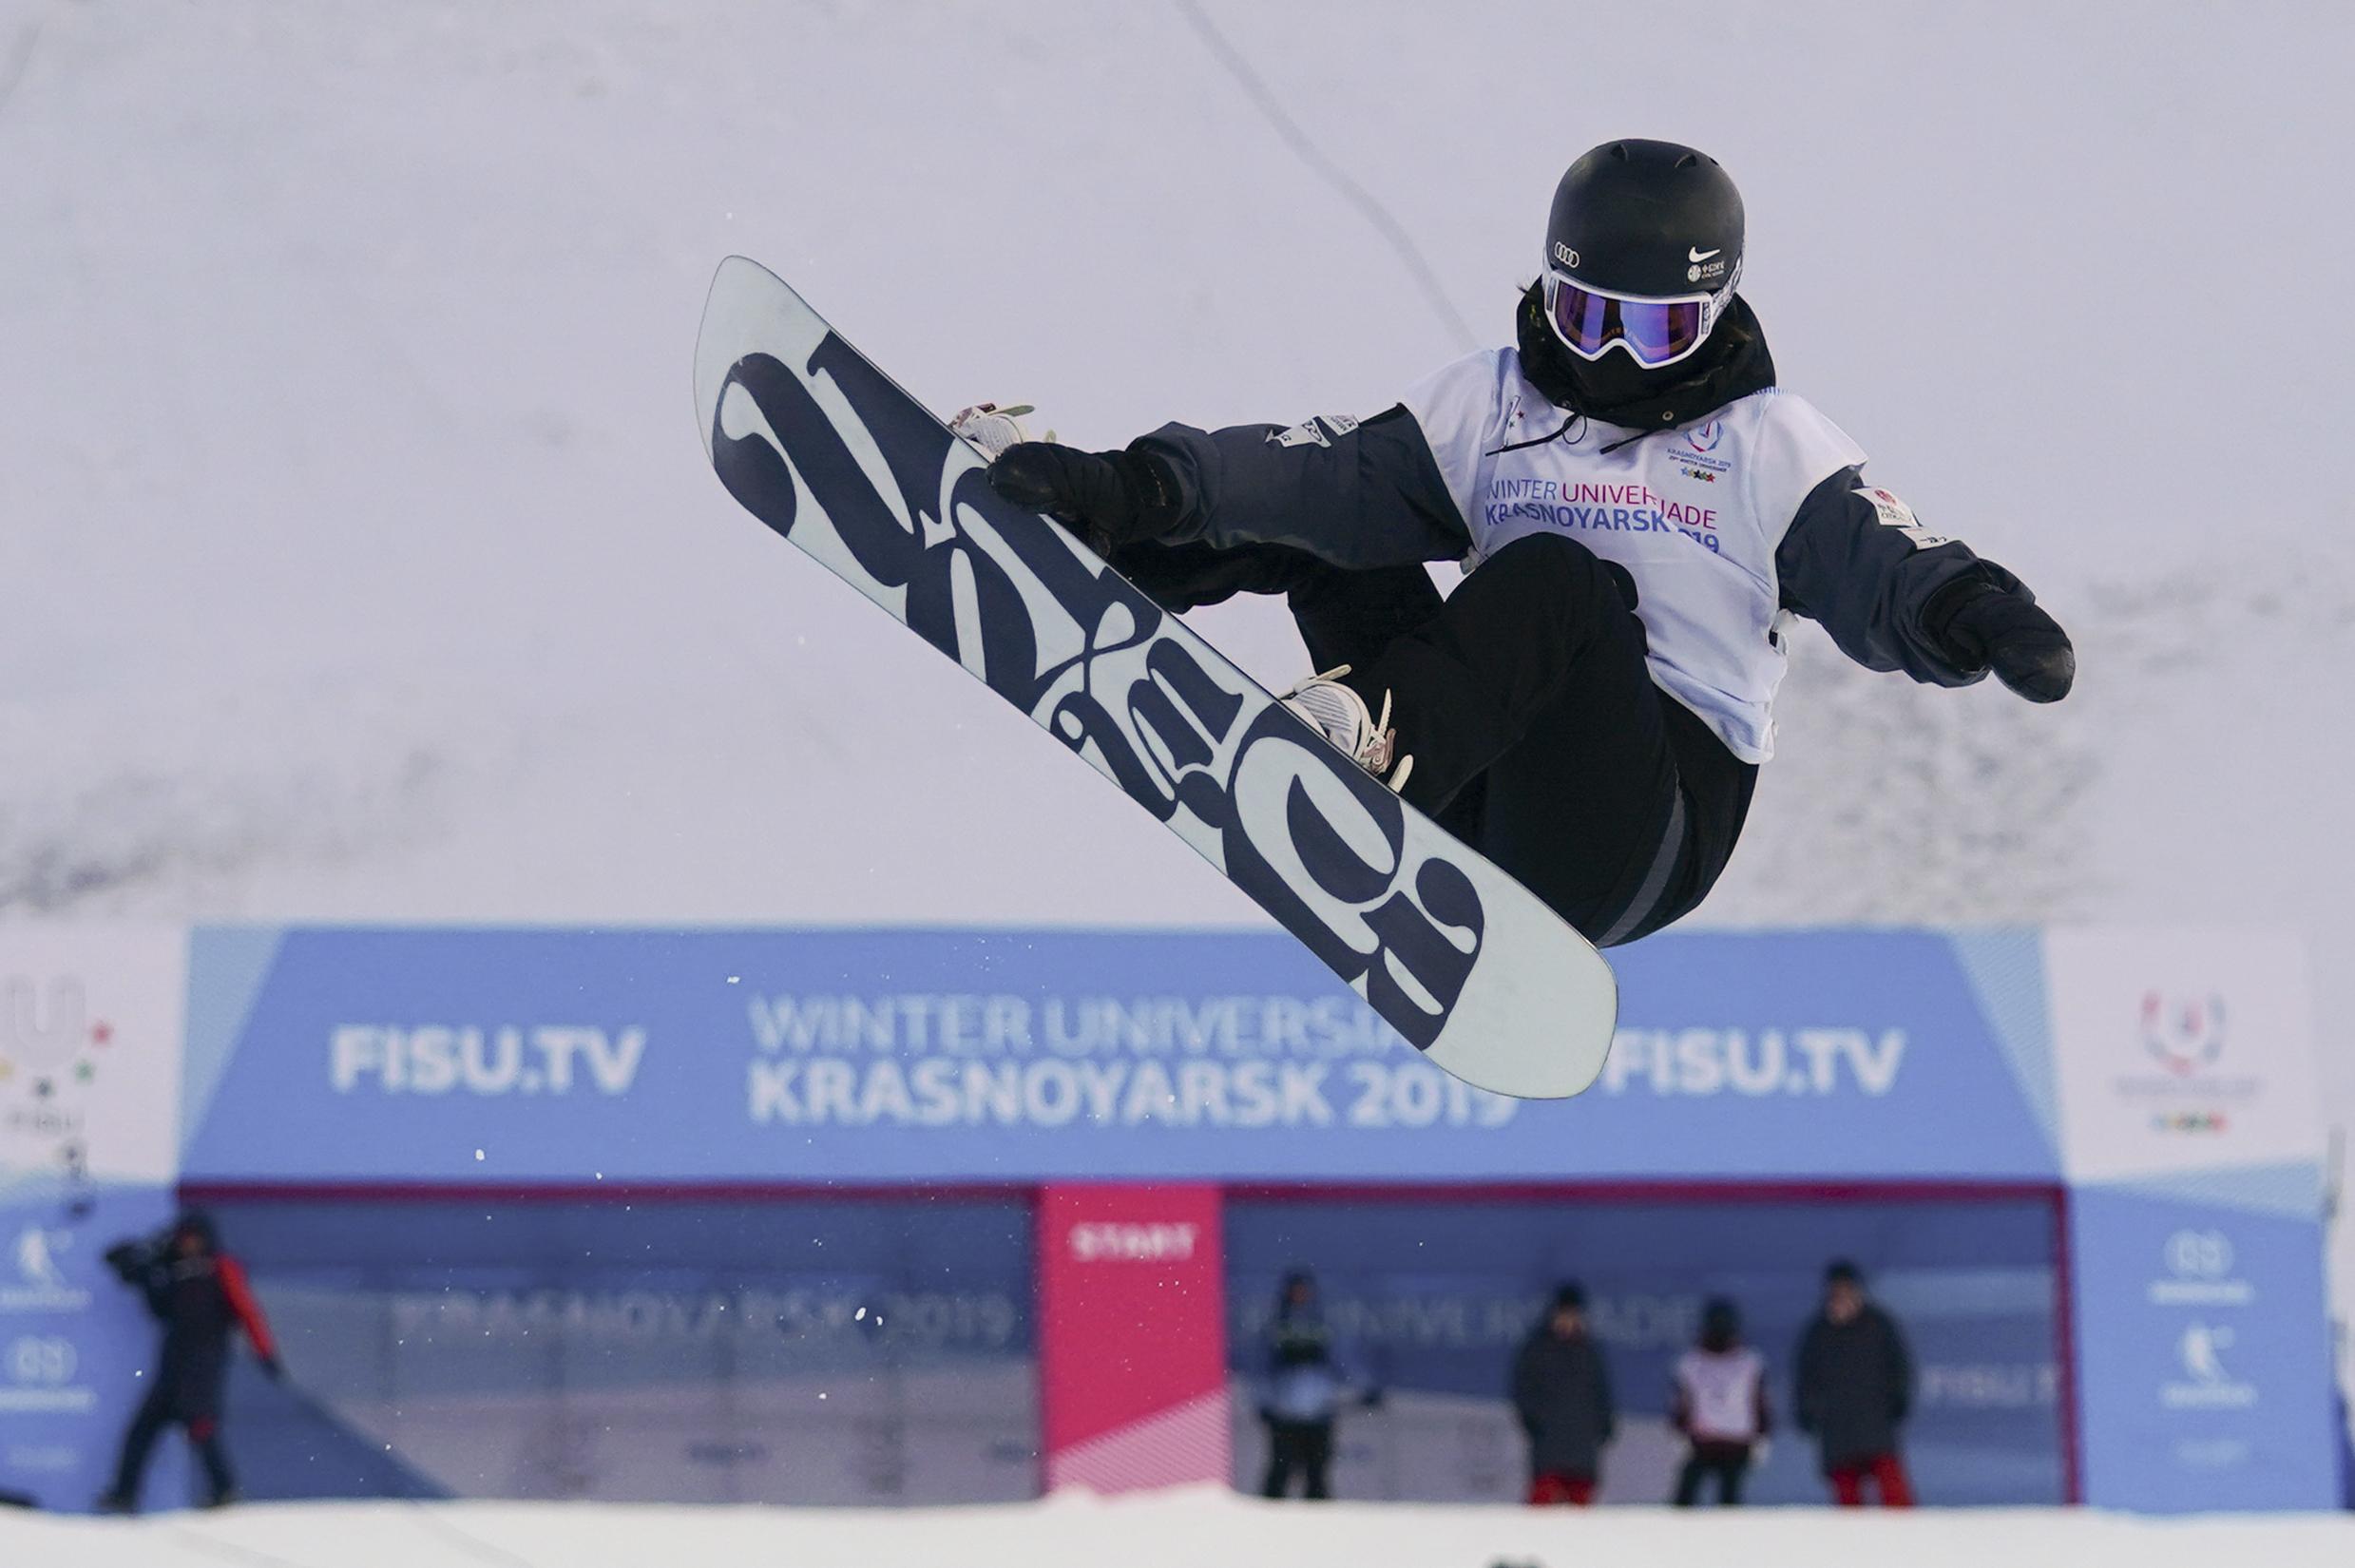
(1847,1482)
(1562,1486)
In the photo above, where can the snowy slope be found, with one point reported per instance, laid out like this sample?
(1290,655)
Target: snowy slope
(1181,1529)
(361,562)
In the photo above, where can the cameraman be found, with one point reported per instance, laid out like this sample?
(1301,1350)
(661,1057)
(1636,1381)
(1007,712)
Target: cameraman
(198,1293)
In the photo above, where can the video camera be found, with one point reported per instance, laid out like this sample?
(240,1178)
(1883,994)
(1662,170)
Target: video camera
(131,1259)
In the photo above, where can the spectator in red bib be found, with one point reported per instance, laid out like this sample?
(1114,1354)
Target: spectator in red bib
(1720,1406)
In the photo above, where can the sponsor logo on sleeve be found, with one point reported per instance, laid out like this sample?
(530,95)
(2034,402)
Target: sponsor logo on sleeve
(1319,431)
(1896,514)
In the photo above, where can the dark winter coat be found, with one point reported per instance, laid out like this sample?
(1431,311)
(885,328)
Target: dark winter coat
(1248,513)
(200,1301)
(1305,1385)
(1855,1384)
(1562,1390)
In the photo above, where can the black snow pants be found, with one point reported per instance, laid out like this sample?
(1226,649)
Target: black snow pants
(190,1397)
(1302,1448)
(1537,736)
(1728,1462)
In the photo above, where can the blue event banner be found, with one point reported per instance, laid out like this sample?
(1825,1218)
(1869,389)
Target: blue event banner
(508,1056)
(2205,1355)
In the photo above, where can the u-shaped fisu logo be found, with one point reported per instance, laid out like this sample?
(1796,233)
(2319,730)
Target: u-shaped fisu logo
(842,462)
(31,1031)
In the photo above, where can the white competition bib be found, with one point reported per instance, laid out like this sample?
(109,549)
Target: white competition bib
(1694,515)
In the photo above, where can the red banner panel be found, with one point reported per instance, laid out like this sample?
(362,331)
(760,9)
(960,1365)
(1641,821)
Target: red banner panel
(1132,1344)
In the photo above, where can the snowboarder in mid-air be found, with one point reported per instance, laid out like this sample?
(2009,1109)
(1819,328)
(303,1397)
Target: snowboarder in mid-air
(1638,506)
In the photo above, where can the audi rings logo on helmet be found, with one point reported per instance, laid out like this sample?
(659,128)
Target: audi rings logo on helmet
(1565,255)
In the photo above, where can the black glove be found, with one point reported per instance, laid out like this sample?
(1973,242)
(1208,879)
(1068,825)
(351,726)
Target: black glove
(1981,627)
(1108,499)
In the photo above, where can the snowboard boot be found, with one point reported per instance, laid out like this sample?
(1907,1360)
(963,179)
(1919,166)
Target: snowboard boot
(1340,716)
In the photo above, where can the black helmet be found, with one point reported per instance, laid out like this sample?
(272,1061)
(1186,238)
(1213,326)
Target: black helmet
(1642,251)
(196,1223)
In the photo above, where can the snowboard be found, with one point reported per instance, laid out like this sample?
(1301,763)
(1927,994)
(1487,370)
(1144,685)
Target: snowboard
(1460,958)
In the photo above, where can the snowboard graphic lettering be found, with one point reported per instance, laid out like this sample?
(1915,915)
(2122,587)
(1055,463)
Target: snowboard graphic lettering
(815,442)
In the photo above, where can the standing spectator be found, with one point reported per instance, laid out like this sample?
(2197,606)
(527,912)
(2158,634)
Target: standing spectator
(200,1294)
(1855,1384)
(1720,1405)
(1562,1390)
(1305,1390)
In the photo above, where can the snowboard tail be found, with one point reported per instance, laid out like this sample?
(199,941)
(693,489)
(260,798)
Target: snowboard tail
(819,444)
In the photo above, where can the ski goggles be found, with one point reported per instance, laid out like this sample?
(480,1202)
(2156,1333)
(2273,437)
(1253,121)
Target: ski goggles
(1654,331)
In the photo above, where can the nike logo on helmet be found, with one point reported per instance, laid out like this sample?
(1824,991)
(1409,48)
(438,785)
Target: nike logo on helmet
(1696,253)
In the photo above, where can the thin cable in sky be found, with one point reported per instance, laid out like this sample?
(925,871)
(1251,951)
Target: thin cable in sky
(13,72)
(1332,173)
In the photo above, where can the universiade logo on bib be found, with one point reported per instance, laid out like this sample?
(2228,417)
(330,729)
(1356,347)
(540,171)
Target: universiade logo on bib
(1696,453)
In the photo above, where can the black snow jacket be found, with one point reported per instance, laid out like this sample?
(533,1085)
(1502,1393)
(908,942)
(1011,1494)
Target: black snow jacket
(1248,513)
(200,1301)
(1562,1390)
(1855,1384)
